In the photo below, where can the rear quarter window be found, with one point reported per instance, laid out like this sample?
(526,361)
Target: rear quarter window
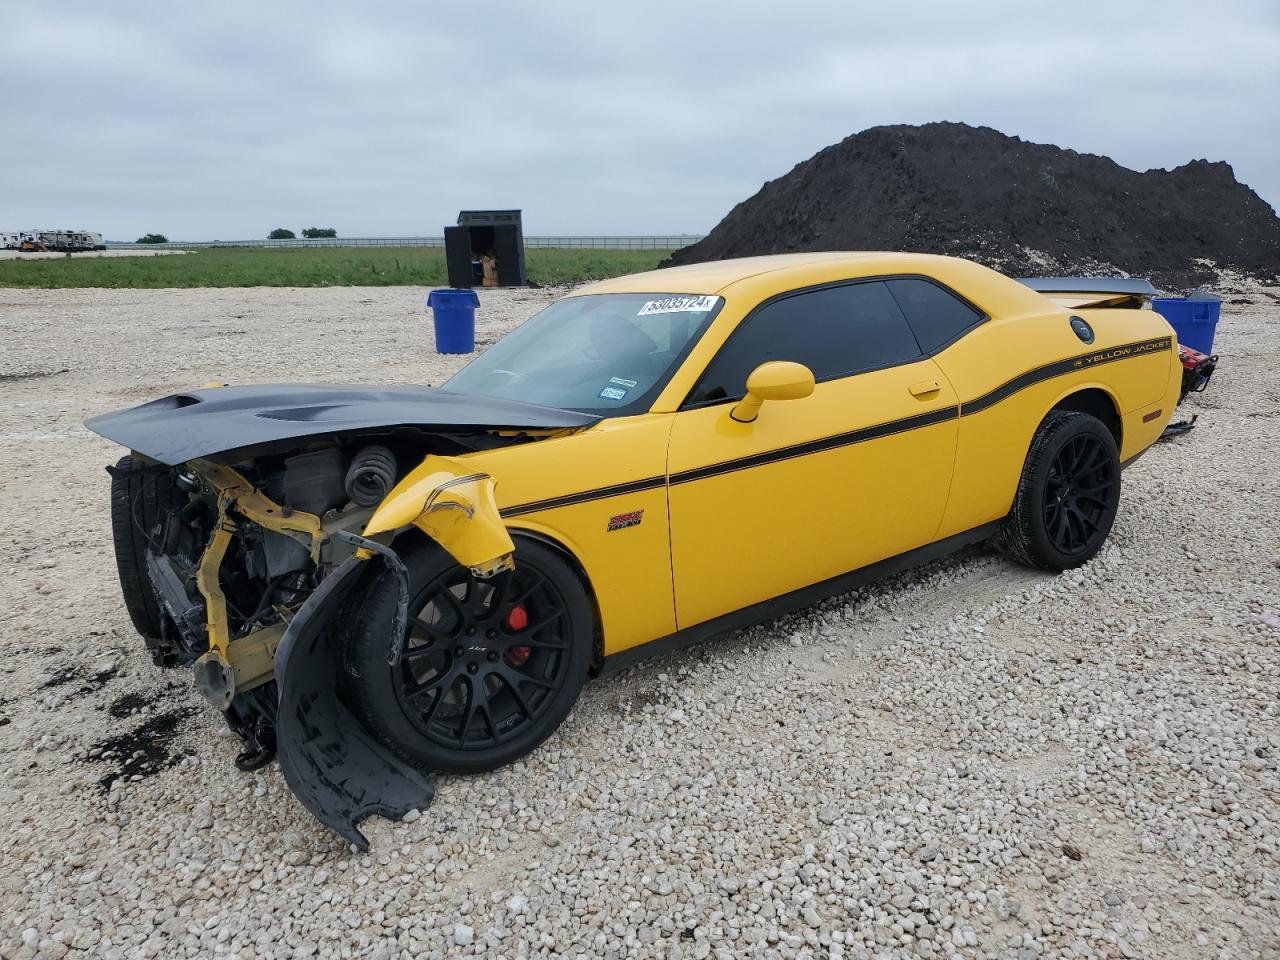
(937,316)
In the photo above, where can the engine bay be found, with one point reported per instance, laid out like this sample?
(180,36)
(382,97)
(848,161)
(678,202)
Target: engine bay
(242,545)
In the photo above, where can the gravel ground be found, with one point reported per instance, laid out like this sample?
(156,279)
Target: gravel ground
(970,760)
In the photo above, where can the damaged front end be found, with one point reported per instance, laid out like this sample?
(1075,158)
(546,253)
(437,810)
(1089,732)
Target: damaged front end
(257,594)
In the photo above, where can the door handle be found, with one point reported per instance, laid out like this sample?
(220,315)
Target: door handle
(925,388)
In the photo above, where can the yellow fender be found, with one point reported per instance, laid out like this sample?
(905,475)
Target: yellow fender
(454,506)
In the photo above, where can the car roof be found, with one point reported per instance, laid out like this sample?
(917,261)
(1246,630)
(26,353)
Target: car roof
(714,276)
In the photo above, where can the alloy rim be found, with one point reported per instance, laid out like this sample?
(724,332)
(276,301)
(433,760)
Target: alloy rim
(1078,494)
(483,658)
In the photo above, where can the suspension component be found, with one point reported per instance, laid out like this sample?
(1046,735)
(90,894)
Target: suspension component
(371,475)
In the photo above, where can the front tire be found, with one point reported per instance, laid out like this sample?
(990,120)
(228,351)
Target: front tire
(142,495)
(489,669)
(1068,493)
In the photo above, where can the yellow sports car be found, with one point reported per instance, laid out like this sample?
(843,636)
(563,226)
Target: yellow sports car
(380,582)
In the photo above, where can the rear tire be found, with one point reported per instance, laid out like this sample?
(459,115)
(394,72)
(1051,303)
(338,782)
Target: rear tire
(490,668)
(1068,493)
(141,496)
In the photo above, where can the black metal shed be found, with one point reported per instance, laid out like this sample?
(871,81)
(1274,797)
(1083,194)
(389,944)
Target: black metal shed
(485,233)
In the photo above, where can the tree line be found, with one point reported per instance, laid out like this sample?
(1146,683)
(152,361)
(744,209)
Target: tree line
(310,233)
(279,233)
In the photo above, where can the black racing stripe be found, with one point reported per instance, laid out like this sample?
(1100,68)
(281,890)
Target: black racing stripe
(742,463)
(819,445)
(1002,392)
(569,499)
(1062,367)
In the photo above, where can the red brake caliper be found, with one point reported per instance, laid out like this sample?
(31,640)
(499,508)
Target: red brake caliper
(516,621)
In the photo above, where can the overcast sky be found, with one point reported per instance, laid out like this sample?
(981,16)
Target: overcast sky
(223,120)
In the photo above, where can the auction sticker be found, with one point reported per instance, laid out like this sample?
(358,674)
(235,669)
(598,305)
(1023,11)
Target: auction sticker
(678,305)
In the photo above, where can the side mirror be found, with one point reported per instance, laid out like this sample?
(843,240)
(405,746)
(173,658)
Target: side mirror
(775,380)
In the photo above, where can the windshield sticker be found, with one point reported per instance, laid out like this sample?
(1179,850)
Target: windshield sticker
(677,305)
(612,393)
(619,382)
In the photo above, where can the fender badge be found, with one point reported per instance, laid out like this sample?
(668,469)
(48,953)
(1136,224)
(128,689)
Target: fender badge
(624,520)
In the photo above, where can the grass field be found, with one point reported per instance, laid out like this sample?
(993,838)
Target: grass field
(308,267)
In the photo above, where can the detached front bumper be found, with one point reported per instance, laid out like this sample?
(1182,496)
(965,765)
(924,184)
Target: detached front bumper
(332,764)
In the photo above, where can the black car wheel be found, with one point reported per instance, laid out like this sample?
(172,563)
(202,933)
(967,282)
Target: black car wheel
(489,668)
(142,495)
(1068,494)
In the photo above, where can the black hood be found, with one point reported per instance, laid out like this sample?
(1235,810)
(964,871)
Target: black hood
(217,420)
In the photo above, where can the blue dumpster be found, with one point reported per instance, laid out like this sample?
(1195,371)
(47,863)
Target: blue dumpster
(454,313)
(1194,319)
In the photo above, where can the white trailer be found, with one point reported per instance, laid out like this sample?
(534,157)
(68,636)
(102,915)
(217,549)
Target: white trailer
(67,241)
(63,241)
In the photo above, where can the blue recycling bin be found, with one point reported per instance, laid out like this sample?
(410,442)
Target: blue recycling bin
(454,313)
(1194,319)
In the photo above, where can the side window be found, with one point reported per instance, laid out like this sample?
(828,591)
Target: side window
(936,316)
(835,332)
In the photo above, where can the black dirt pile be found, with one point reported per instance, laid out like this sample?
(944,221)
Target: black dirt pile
(1024,208)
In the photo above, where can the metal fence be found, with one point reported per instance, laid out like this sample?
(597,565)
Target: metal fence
(670,242)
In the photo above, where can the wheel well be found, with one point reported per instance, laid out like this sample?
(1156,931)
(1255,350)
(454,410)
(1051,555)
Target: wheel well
(597,631)
(1097,403)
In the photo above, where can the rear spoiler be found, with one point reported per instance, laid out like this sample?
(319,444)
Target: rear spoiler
(1073,292)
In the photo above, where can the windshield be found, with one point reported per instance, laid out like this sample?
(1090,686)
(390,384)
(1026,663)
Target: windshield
(606,354)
